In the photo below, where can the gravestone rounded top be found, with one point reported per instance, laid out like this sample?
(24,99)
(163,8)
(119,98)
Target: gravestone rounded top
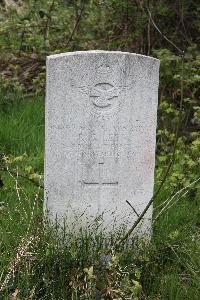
(61,55)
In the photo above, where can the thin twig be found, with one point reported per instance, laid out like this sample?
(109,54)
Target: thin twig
(167,206)
(47,26)
(76,25)
(149,36)
(132,208)
(168,200)
(163,35)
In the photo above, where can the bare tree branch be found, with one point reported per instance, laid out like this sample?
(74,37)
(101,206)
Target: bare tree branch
(76,25)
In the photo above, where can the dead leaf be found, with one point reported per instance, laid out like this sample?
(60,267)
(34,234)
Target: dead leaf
(14,295)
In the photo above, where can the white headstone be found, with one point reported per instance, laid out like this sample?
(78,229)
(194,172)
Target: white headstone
(101,116)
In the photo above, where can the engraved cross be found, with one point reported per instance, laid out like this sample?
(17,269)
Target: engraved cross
(100,181)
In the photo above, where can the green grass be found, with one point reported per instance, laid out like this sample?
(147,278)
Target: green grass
(22,129)
(36,264)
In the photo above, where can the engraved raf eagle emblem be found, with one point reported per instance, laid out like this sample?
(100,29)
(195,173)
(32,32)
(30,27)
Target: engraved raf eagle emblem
(102,95)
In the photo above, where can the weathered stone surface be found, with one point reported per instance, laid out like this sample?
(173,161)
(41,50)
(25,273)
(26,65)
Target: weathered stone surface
(101,115)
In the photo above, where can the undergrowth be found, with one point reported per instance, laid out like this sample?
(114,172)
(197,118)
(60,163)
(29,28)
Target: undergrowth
(38,263)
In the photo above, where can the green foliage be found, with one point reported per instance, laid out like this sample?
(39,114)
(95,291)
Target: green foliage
(22,128)
(187,153)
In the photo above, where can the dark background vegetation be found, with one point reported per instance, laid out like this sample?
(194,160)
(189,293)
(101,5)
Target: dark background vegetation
(169,267)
